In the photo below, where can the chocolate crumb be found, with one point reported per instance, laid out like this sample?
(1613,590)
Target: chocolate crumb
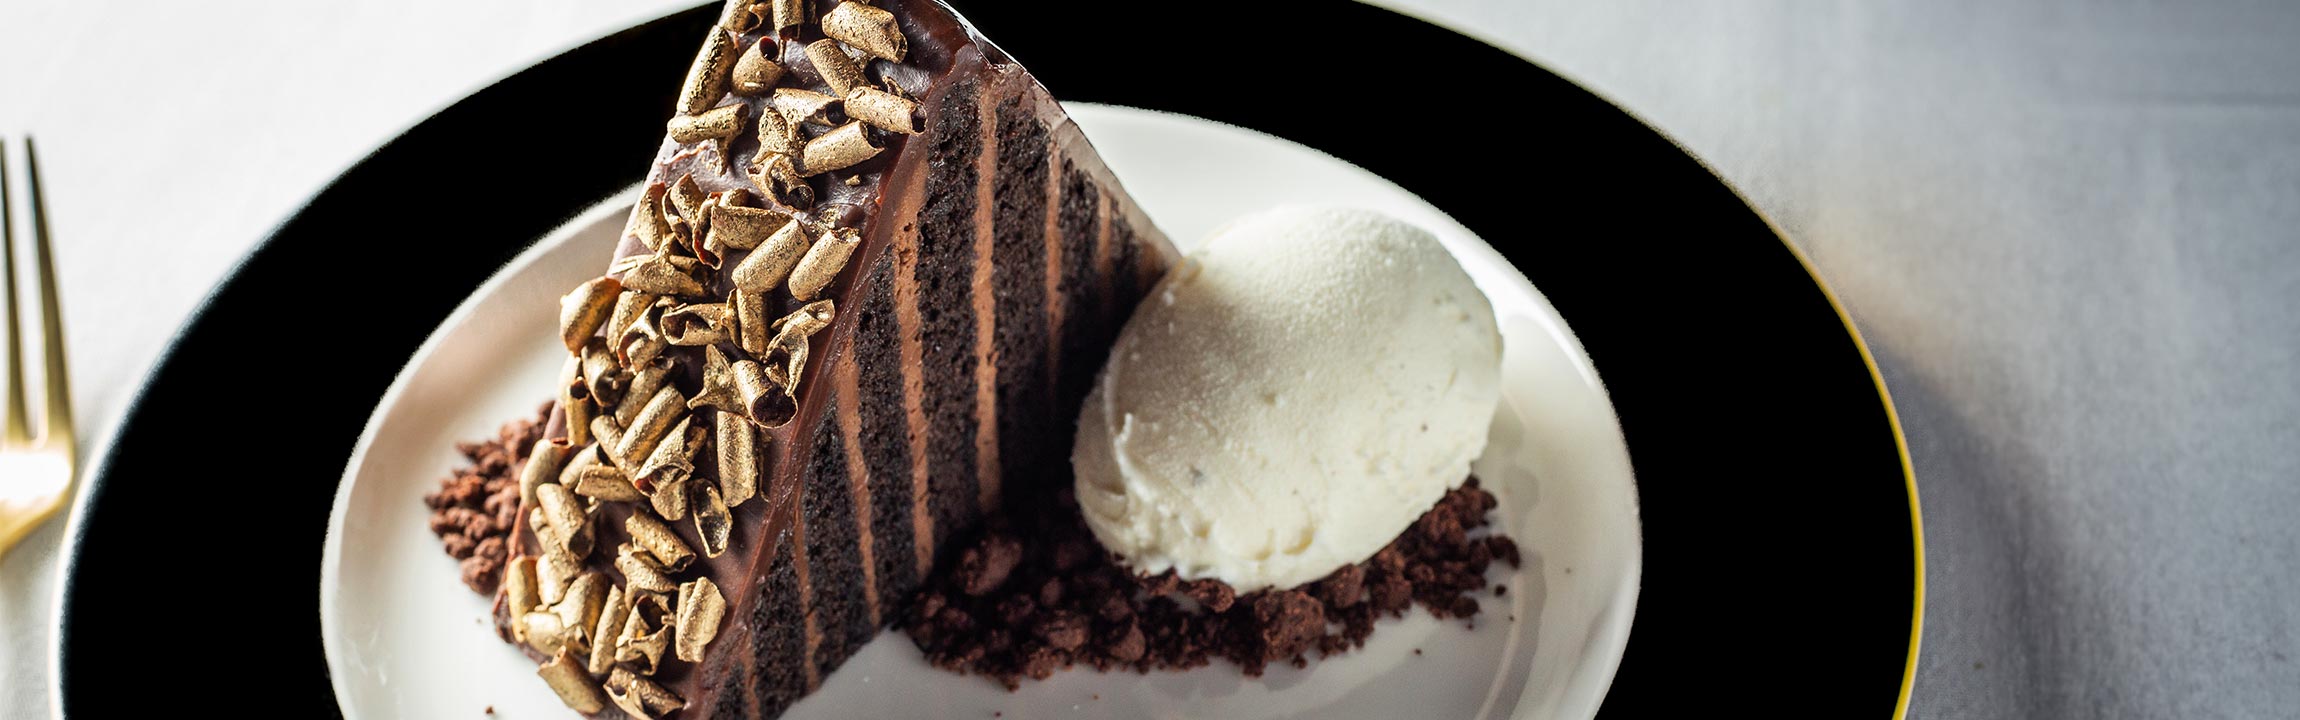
(1010,609)
(475,507)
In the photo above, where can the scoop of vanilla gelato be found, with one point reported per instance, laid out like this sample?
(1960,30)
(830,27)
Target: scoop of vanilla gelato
(1288,400)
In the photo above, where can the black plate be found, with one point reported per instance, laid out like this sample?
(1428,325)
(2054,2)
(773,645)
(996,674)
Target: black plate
(1782,564)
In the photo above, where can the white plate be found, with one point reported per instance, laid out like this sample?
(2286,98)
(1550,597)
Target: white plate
(406,639)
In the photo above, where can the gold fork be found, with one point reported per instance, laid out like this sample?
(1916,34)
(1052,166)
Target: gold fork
(35,472)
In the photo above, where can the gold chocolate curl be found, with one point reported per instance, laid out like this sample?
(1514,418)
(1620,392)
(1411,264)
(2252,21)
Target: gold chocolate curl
(766,267)
(788,13)
(712,522)
(838,149)
(688,199)
(776,137)
(647,221)
(737,17)
(589,477)
(648,380)
(659,541)
(603,379)
(868,29)
(707,77)
(738,459)
(751,325)
(666,469)
(756,71)
(640,697)
(607,484)
(670,496)
(832,63)
(584,309)
(543,462)
(718,390)
(641,571)
(701,607)
(575,400)
(763,398)
(646,631)
(665,274)
(779,176)
(801,107)
(744,228)
(570,528)
(629,307)
(698,324)
(883,110)
(609,436)
(667,407)
(823,262)
(554,572)
(584,599)
(719,122)
(612,613)
(520,588)
(546,633)
(567,677)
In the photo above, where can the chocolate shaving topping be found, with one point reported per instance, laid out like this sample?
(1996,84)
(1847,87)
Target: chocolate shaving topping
(570,526)
(869,29)
(740,17)
(756,72)
(838,149)
(823,261)
(567,678)
(712,522)
(707,77)
(665,409)
(738,456)
(646,629)
(580,608)
(604,631)
(700,324)
(718,384)
(543,462)
(779,175)
(665,469)
(647,221)
(768,266)
(764,399)
(646,381)
(787,13)
(659,541)
(584,309)
(603,379)
(719,122)
(806,107)
(744,228)
(701,607)
(664,274)
(836,68)
(752,328)
(884,110)
(642,571)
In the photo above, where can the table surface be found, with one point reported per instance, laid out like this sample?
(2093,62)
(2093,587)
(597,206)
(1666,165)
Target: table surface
(2070,232)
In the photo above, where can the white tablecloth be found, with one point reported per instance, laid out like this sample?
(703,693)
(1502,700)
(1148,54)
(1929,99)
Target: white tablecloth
(2070,230)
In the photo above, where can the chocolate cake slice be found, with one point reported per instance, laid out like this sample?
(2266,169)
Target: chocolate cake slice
(873,271)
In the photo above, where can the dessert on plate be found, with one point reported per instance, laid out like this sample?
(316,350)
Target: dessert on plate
(833,379)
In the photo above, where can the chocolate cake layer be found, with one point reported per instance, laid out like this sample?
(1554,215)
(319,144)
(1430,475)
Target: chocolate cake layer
(997,259)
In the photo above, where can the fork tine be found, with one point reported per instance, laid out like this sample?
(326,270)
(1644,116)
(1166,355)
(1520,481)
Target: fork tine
(57,425)
(16,430)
